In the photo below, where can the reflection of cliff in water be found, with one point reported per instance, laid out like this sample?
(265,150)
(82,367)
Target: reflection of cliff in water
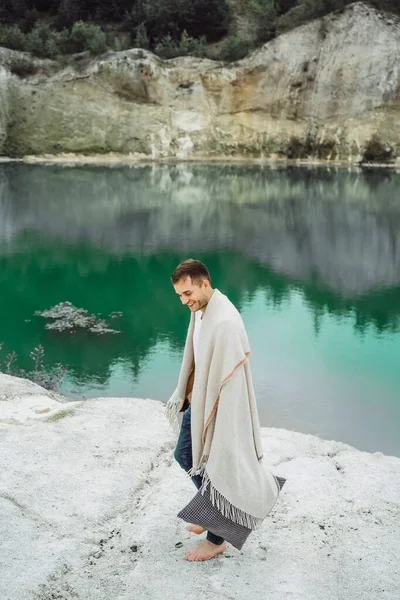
(340,226)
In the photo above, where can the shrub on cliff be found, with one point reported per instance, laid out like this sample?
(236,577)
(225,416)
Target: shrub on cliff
(154,23)
(12,37)
(45,41)
(376,151)
(234,47)
(162,18)
(167,47)
(87,36)
(264,19)
(300,149)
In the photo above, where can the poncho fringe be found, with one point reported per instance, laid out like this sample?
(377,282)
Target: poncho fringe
(174,406)
(226,508)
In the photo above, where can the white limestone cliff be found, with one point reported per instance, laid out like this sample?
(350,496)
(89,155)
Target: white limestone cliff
(322,90)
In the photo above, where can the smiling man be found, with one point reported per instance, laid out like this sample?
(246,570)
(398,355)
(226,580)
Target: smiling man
(195,291)
(214,412)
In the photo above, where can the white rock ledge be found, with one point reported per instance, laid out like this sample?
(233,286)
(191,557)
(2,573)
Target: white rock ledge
(89,492)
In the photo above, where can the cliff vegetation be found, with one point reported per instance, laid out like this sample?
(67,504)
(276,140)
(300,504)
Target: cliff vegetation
(219,29)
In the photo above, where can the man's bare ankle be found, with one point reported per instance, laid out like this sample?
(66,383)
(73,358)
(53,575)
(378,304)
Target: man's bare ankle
(197,529)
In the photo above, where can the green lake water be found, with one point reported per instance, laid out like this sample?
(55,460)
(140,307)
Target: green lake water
(310,256)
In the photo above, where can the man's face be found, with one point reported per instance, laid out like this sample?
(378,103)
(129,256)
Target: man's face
(192,294)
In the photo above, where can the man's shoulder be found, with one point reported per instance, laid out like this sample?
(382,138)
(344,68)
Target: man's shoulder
(222,316)
(226,307)
(229,323)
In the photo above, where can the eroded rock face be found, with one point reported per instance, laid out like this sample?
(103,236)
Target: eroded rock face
(321,91)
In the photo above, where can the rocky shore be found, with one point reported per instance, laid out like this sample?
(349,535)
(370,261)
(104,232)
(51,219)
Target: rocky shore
(89,492)
(319,92)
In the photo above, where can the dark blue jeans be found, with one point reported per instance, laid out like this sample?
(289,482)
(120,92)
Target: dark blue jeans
(183,456)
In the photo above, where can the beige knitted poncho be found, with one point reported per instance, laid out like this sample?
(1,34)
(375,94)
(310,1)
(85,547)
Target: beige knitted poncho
(226,440)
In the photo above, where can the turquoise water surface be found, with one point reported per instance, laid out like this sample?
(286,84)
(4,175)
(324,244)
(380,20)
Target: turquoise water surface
(311,257)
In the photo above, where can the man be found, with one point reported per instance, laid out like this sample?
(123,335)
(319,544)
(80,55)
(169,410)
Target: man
(214,410)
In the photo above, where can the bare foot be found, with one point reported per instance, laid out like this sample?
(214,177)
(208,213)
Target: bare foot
(205,551)
(195,529)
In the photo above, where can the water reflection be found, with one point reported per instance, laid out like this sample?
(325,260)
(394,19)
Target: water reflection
(315,248)
(335,226)
(118,232)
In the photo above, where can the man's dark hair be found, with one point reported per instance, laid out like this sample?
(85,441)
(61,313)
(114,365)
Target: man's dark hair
(193,269)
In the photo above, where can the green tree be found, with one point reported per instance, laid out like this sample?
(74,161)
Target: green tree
(87,36)
(12,37)
(234,47)
(164,18)
(166,47)
(189,45)
(264,18)
(45,41)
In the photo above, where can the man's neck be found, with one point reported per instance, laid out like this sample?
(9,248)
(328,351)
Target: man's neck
(203,308)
